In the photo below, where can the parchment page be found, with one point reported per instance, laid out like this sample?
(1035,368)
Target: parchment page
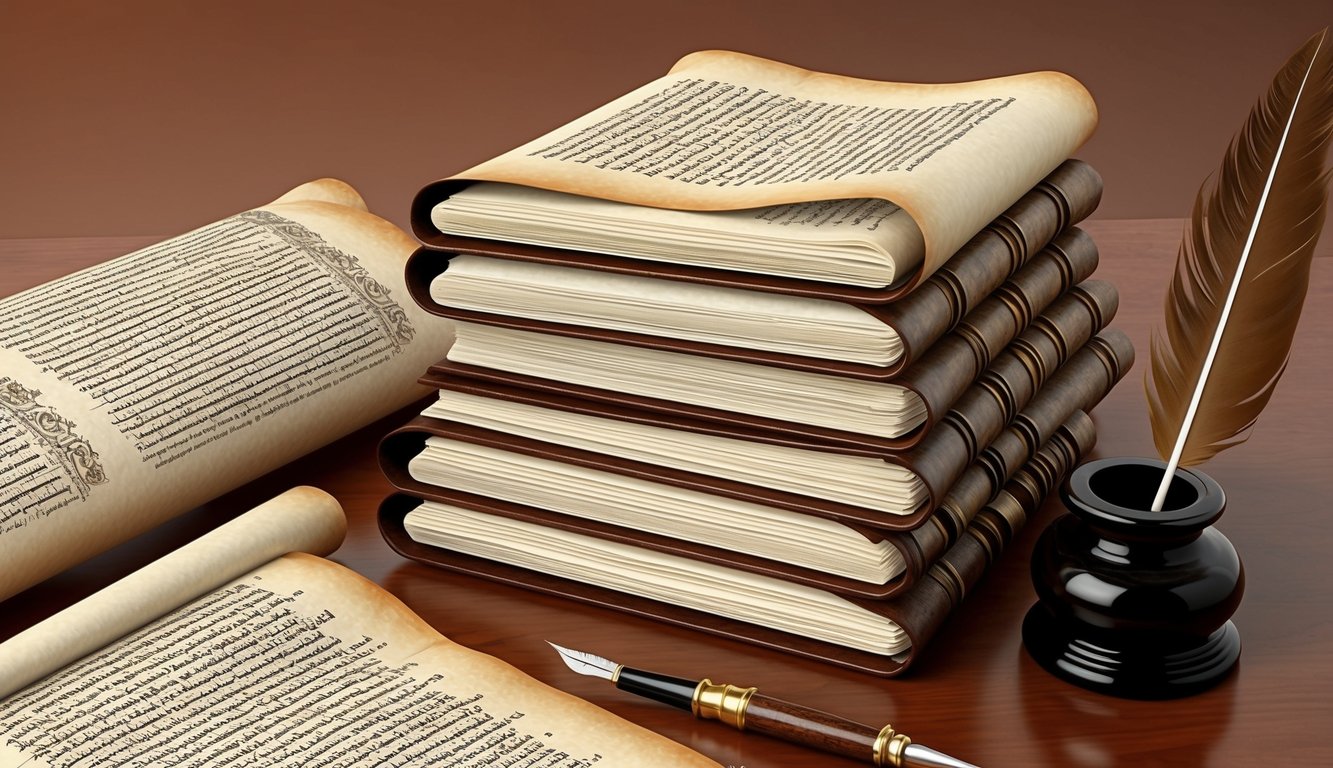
(727,131)
(797,325)
(699,585)
(139,388)
(301,520)
(303,662)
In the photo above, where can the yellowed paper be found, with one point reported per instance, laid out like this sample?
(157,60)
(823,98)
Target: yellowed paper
(642,505)
(862,241)
(863,481)
(879,408)
(702,586)
(300,520)
(795,325)
(137,389)
(303,662)
(725,131)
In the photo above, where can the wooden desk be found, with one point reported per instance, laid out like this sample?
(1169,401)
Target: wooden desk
(975,694)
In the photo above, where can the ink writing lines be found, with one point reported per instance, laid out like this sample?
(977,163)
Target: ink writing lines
(707,132)
(374,297)
(248,675)
(860,213)
(45,464)
(30,488)
(190,340)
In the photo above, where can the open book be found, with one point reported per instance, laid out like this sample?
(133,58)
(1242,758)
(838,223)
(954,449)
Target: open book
(776,170)
(228,652)
(137,389)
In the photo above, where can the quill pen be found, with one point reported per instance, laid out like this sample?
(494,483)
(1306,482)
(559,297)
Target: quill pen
(1243,268)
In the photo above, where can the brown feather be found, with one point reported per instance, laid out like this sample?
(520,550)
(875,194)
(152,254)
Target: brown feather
(1255,346)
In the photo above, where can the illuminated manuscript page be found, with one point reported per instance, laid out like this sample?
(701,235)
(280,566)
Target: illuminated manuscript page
(139,388)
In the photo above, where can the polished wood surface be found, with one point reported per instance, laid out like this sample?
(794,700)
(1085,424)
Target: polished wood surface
(975,693)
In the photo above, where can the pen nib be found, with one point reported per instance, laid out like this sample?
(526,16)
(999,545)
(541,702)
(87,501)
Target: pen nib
(918,756)
(586,663)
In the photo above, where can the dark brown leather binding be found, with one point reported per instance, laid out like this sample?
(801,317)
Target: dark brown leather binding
(920,611)
(941,383)
(1067,195)
(920,548)
(939,380)
(1070,259)
(956,362)
(939,460)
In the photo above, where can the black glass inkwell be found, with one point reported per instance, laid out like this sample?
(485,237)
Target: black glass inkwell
(1131,602)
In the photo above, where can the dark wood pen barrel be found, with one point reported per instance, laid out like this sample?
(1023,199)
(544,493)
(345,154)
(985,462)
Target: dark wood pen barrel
(803,725)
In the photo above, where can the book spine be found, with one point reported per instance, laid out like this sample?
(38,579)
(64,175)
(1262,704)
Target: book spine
(955,362)
(941,381)
(1069,324)
(997,465)
(1069,194)
(1007,388)
(923,609)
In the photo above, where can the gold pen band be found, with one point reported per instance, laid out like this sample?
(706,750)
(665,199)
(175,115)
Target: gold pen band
(727,703)
(721,702)
(889,748)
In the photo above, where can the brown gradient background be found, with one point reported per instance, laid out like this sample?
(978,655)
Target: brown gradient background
(151,117)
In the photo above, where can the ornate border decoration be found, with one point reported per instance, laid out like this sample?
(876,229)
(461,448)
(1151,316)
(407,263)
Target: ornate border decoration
(55,434)
(372,294)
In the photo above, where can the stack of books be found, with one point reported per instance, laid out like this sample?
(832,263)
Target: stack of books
(797,423)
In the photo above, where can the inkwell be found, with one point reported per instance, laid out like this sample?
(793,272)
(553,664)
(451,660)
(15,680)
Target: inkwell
(1135,587)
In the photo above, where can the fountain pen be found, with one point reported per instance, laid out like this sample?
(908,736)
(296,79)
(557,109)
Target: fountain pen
(747,710)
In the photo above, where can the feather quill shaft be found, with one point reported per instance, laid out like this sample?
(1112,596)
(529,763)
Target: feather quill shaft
(1264,279)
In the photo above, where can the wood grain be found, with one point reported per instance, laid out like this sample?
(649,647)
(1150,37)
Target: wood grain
(821,730)
(975,693)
